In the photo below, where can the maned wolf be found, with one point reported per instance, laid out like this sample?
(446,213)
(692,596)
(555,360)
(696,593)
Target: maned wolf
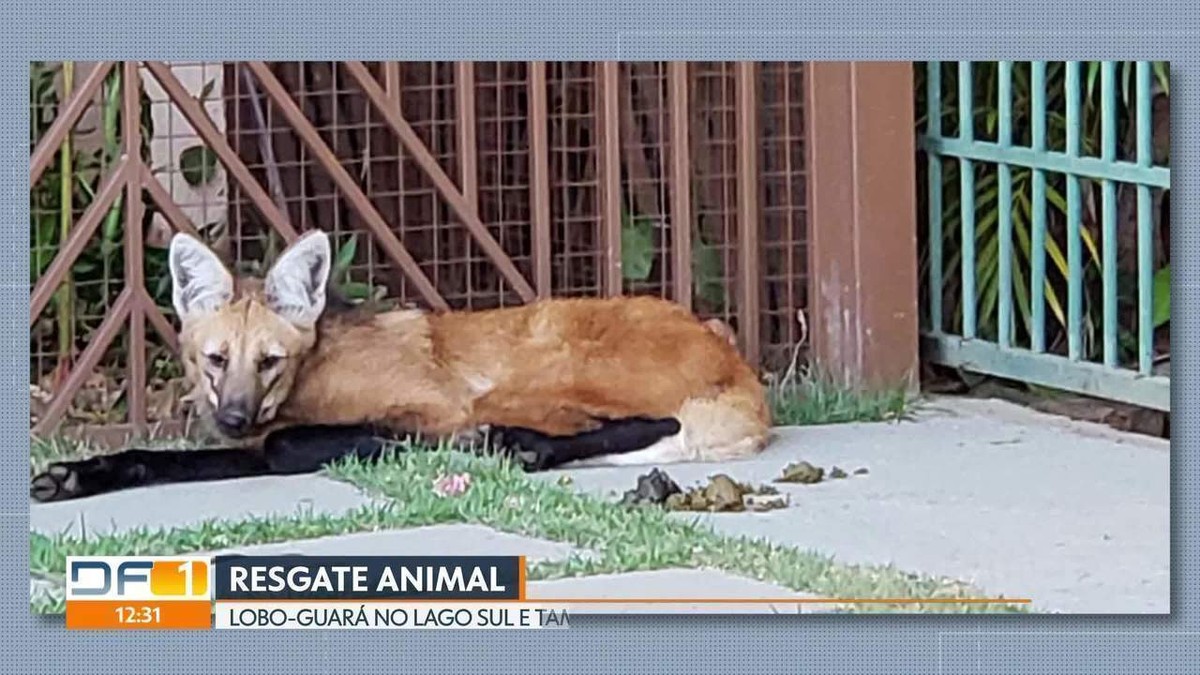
(632,380)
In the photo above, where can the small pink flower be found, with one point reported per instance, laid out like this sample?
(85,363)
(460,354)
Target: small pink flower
(452,485)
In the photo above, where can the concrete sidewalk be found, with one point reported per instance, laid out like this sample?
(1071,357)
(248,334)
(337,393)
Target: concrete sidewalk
(1072,515)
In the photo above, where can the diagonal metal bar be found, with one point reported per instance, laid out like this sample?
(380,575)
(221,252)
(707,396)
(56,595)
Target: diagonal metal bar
(67,116)
(108,330)
(450,193)
(158,320)
(370,215)
(74,245)
(170,210)
(181,223)
(208,132)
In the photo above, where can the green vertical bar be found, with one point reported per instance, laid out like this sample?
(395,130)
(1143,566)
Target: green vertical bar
(1145,224)
(966,131)
(1037,294)
(933,129)
(1074,218)
(1108,208)
(1004,140)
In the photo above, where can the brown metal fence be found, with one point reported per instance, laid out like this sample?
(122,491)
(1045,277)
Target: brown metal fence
(445,185)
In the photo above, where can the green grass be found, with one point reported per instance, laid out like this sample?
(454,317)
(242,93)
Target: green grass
(47,553)
(44,451)
(819,399)
(617,538)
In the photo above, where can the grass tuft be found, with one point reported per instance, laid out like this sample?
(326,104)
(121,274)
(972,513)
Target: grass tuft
(44,451)
(815,397)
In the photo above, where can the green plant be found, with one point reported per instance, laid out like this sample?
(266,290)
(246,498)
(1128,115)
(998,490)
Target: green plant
(707,274)
(638,254)
(985,120)
(198,165)
(64,297)
(344,279)
(67,187)
(637,246)
(1162,296)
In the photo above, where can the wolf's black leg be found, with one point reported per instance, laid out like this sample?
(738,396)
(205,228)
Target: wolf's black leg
(308,449)
(538,452)
(134,468)
(288,451)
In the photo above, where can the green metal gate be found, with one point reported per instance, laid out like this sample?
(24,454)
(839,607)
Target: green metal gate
(1028,133)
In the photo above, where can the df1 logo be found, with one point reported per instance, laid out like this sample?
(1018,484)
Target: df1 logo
(140,578)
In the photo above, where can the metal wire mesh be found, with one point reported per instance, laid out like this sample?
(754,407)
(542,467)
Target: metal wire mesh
(312,146)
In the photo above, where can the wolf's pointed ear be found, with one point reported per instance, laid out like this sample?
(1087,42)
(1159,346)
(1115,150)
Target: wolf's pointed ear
(200,283)
(295,286)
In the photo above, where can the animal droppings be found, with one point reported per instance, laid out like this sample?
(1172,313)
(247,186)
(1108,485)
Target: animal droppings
(765,502)
(724,494)
(801,472)
(720,493)
(652,488)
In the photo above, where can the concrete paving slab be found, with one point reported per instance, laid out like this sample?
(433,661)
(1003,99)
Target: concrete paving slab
(460,539)
(185,504)
(1073,515)
(669,584)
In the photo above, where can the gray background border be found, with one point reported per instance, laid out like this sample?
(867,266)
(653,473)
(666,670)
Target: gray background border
(569,29)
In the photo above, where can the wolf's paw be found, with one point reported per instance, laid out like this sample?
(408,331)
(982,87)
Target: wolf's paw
(58,482)
(82,478)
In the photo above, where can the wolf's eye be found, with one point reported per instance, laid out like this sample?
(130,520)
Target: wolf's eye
(268,362)
(217,361)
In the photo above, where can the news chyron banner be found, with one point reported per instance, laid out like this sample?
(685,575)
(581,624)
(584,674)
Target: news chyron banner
(141,592)
(313,592)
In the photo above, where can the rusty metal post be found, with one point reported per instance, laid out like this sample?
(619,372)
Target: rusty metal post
(862,222)
(467,150)
(464,87)
(131,117)
(747,209)
(608,119)
(681,183)
(539,150)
